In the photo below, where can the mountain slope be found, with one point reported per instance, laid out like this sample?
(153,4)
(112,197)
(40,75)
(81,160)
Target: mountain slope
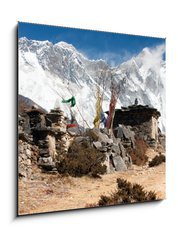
(50,72)
(25,104)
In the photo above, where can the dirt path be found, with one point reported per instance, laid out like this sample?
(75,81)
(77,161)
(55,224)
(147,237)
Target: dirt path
(51,192)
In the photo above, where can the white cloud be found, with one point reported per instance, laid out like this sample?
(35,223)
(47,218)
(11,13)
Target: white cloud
(152,57)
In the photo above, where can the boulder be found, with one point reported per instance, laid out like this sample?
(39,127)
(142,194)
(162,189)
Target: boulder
(128,160)
(118,132)
(109,164)
(62,130)
(97,145)
(126,132)
(97,135)
(119,164)
(122,150)
(80,139)
(103,149)
(109,141)
(46,162)
(126,135)
(75,131)
(28,152)
(116,149)
(44,151)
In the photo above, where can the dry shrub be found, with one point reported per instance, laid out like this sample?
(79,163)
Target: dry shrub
(49,191)
(138,154)
(127,193)
(82,159)
(90,205)
(157,160)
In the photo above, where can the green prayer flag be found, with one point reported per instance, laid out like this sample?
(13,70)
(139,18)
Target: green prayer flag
(70,100)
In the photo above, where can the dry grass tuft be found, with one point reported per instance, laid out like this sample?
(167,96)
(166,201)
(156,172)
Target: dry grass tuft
(157,160)
(138,154)
(127,193)
(81,160)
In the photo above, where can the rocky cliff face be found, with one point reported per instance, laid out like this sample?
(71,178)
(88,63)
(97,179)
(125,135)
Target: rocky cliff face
(49,72)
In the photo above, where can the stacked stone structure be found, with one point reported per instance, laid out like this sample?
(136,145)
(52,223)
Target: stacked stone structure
(49,134)
(143,120)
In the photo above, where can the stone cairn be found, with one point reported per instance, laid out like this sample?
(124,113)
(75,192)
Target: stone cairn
(116,157)
(57,122)
(52,138)
(28,156)
(27,151)
(36,118)
(49,134)
(142,119)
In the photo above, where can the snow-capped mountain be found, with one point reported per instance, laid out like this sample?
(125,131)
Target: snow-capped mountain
(50,72)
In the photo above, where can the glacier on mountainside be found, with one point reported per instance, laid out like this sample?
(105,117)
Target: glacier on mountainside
(51,72)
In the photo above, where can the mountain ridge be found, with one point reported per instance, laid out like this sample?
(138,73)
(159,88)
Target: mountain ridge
(50,72)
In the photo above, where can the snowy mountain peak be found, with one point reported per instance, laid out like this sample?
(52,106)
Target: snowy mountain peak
(29,41)
(65,46)
(50,72)
(145,52)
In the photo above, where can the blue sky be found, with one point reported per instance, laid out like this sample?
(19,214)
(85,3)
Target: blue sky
(115,48)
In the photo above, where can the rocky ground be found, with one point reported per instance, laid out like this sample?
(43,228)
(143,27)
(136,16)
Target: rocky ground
(52,192)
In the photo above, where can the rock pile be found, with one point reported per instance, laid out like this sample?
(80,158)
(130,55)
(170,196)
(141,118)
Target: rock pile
(47,149)
(58,125)
(28,155)
(56,120)
(49,133)
(24,128)
(116,157)
(142,119)
(126,135)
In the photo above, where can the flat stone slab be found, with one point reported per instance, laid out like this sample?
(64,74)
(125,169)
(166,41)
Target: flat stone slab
(119,164)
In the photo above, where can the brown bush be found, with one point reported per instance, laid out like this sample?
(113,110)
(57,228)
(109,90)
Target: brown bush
(157,160)
(127,193)
(82,159)
(138,154)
